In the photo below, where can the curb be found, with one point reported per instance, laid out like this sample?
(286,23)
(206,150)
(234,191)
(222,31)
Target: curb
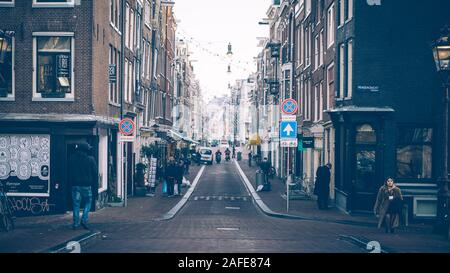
(69,245)
(269,212)
(169,215)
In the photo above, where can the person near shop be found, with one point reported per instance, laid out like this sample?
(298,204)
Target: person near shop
(179,176)
(388,206)
(171,175)
(265,166)
(83,179)
(322,186)
(186,164)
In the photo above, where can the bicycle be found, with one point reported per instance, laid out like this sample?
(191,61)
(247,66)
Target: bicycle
(6,213)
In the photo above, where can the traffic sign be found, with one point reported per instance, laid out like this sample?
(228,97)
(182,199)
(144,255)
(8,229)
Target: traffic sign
(288,129)
(289,107)
(289,143)
(127,127)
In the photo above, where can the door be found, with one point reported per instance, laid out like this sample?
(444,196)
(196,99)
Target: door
(365,182)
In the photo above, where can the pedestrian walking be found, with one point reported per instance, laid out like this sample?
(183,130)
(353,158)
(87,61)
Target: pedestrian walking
(179,176)
(186,165)
(171,174)
(250,159)
(83,179)
(388,206)
(322,186)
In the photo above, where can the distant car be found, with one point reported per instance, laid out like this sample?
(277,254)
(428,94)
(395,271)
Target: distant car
(206,155)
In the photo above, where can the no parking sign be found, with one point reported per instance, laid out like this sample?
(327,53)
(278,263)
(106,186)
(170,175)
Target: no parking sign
(127,129)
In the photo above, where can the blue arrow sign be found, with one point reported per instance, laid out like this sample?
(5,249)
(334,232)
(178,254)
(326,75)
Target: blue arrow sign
(288,129)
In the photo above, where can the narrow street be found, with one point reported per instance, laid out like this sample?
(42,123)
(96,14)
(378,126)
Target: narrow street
(221,217)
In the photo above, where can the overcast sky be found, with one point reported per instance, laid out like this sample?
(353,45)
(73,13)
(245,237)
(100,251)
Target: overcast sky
(209,25)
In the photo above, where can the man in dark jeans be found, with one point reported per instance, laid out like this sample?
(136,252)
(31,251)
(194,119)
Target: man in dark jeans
(265,167)
(83,178)
(171,175)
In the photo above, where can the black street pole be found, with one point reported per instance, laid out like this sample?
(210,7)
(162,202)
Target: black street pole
(442,225)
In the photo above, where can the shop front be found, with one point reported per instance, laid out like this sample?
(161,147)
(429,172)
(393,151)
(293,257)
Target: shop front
(34,153)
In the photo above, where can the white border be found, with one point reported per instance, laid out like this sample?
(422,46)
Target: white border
(69,97)
(11,4)
(51,4)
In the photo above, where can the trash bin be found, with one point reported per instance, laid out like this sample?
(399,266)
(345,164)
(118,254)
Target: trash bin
(239,156)
(259,180)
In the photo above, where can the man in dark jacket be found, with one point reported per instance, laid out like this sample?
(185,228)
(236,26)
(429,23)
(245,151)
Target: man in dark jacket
(322,186)
(83,178)
(179,177)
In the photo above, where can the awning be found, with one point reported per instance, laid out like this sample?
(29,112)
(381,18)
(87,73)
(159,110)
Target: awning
(179,136)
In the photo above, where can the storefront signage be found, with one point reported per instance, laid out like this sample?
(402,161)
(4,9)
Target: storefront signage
(370,88)
(308,142)
(25,164)
(62,70)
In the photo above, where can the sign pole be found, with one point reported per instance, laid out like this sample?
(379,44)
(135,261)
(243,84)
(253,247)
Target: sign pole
(287,182)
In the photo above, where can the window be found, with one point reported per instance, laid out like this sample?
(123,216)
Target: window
(341,71)
(349,69)
(147,13)
(330,26)
(6,3)
(320,101)
(414,152)
(53,4)
(127,25)
(114,16)
(316,52)
(114,58)
(350,9)
(342,12)
(53,63)
(7,81)
(365,134)
(316,103)
(330,85)
(321,50)
(308,7)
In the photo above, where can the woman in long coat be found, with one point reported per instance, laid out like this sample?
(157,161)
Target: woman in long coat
(388,206)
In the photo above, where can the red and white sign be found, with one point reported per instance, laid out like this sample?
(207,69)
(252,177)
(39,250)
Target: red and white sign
(289,107)
(127,127)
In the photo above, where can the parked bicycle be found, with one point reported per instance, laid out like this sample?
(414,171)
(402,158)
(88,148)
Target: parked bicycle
(6,213)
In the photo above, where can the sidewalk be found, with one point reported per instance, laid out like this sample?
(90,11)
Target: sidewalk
(361,228)
(40,233)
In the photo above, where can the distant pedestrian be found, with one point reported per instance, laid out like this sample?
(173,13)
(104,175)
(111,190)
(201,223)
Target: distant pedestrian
(322,186)
(179,176)
(83,178)
(198,157)
(186,164)
(250,159)
(170,175)
(388,206)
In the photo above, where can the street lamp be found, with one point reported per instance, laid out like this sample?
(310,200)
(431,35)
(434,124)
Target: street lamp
(441,53)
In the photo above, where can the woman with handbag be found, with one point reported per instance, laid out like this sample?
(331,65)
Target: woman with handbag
(388,206)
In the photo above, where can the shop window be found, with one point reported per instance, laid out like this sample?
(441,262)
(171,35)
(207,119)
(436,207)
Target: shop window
(6,68)
(54,67)
(414,153)
(365,134)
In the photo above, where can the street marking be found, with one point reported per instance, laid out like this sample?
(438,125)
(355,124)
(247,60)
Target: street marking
(232,198)
(232,208)
(245,198)
(228,229)
(196,198)
(220,198)
(207,198)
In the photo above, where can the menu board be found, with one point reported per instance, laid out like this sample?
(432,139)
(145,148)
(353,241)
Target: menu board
(152,172)
(25,164)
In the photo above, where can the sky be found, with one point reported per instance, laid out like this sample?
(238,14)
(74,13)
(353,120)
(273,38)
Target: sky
(208,26)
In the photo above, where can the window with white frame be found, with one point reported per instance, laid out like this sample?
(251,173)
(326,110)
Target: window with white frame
(302,43)
(316,103)
(308,47)
(342,12)
(7,81)
(349,69)
(6,3)
(114,58)
(330,85)
(321,101)
(321,49)
(316,52)
(342,66)
(149,59)
(147,13)
(127,25)
(132,30)
(308,7)
(53,4)
(144,59)
(330,26)
(350,9)
(53,66)
(114,16)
